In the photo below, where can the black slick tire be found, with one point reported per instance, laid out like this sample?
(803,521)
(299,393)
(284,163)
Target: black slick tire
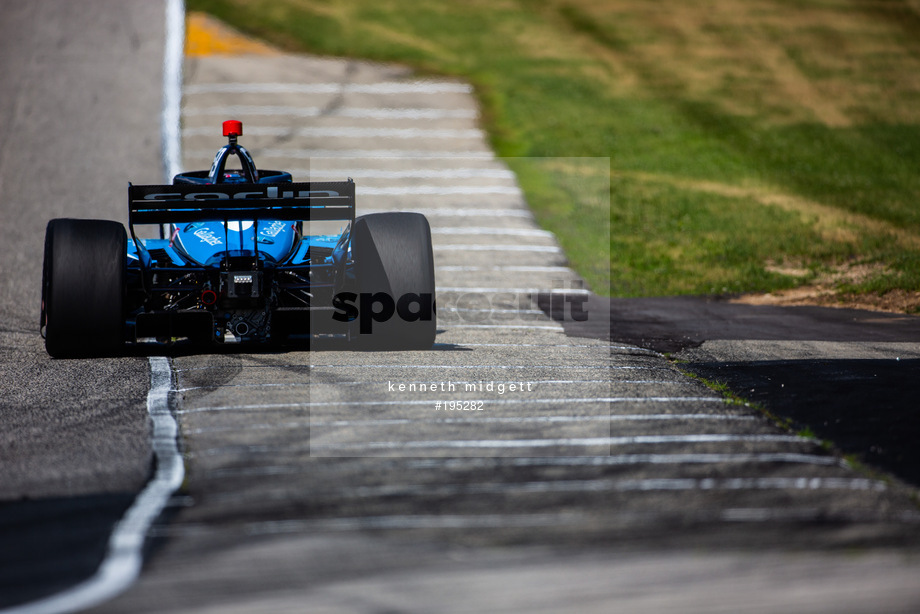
(392,255)
(83,288)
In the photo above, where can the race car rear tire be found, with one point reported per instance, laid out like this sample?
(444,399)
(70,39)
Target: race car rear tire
(83,288)
(392,255)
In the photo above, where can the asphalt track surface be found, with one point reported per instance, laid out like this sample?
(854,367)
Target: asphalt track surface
(852,376)
(76,121)
(614,482)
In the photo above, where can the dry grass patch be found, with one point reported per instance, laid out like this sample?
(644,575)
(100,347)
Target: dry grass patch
(824,289)
(832,61)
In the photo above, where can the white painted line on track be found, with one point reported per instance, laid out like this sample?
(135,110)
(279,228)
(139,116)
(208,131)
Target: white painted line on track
(564,442)
(540,419)
(385,366)
(514,311)
(548,249)
(123,558)
(380,87)
(636,348)
(357,154)
(507,269)
(647,381)
(628,348)
(483,419)
(479,462)
(602,486)
(535,345)
(456,382)
(504,232)
(427,190)
(557,329)
(412,113)
(792,483)
(629,459)
(418,173)
(528,401)
(513,290)
(365,448)
(460,213)
(349,132)
(216,386)
(308,404)
(364,154)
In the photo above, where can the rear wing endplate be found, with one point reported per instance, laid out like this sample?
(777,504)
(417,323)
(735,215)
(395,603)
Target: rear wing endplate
(177,204)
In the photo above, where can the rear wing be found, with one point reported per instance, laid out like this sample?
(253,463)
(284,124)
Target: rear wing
(177,204)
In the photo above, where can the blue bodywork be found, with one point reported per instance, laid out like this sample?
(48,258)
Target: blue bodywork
(235,258)
(205,243)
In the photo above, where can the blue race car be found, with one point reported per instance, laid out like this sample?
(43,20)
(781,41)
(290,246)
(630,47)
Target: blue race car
(244,255)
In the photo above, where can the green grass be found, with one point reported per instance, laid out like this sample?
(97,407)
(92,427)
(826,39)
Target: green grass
(736,136)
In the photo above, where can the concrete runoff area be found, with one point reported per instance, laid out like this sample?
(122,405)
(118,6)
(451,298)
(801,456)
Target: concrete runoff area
(330,480)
